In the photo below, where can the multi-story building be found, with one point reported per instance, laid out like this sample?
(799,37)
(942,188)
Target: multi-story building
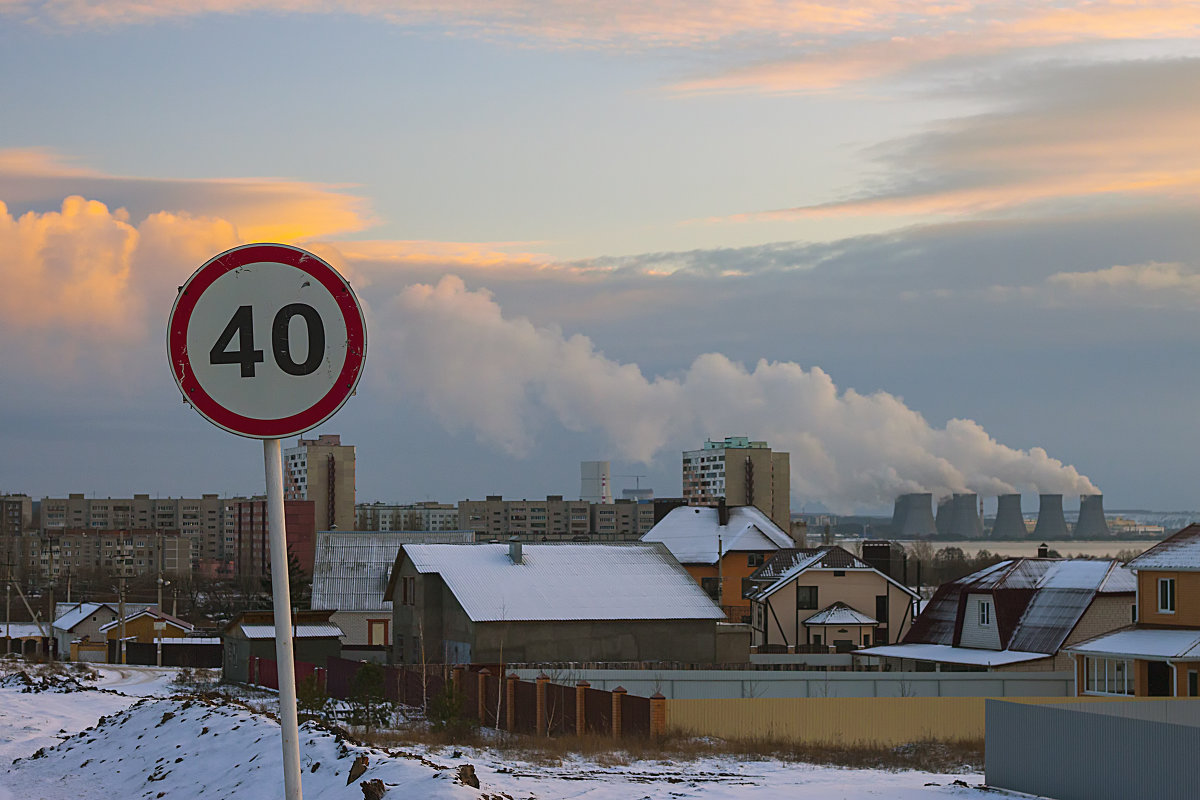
(425,516)
(202,520)
(16,517)
(555,519)
(595,482)
(742,473)
(322,470)
(128,552)
(251,546)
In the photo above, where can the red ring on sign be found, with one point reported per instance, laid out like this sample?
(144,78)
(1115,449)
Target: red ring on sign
(214,412)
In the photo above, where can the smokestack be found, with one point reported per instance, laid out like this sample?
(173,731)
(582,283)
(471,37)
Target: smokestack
(964,517)
(514,550)
(912,517)
(1091,524)
(944,513)
(722,512)
(1050,522)
(1010,524)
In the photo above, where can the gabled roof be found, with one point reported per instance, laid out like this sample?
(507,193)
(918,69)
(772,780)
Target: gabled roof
(840,614)
(1179,552)
(351,568)
(174,622)
(305,625)
(1038,601)
(693,534)
(79,613)
(790,563)
(563,581)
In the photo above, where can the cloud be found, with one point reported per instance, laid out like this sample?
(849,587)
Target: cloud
(262,209)
(504,379)
(1066,135)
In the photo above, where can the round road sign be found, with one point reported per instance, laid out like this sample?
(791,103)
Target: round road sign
(266,341)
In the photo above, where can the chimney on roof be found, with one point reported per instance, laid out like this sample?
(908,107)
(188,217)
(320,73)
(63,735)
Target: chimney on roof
(722,513)
(1043,550)
(514,550)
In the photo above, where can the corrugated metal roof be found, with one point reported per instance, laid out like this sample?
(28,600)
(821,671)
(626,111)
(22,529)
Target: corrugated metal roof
(694,533)
(566,581)
(840,614)
(78,614)
(1178,552)
(351,568)
(307,631)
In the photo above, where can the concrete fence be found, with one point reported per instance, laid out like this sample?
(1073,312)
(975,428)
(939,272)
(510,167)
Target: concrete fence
(1096,751)
(748,684)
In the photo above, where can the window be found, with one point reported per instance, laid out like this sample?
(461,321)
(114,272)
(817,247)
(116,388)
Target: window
(881,609)
(754,560)
(1166,595)
(1107,676)
(806,597)
(1193,683)
(408,591)
(985,612)
(377,631)
(711,586)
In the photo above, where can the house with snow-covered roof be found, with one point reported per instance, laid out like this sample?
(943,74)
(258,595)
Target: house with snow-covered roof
(823,598)
(719,547)
(536,602)
(1159,655)
(1019,614)
(252,633)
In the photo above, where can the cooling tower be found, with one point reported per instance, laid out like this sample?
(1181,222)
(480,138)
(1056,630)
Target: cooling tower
(1050,523)
(1009,522)
(964,517)
(945,511)
(913,516)
(1091,524)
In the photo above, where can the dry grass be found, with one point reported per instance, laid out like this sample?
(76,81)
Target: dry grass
(928,756)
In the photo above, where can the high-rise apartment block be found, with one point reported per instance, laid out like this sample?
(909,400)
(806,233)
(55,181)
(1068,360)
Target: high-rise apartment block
(595,482)
(425,516)
(742,473)
(322,470)
(87,552)
(555,519)
(16,517)
(251,547)
(201,520)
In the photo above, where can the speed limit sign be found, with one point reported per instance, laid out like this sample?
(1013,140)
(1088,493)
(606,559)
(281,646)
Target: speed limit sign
(266,341)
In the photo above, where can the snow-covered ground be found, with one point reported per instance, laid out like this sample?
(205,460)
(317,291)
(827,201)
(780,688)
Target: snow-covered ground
(131,740)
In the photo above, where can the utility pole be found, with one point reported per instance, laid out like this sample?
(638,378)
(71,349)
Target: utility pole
(121,614)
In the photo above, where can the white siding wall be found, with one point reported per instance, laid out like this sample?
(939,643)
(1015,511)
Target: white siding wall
(975,634)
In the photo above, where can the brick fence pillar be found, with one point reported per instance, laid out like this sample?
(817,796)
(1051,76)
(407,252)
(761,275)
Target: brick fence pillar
(581,707)
(618,694)
(510,697)
(482,699)
(543,723)
(658,715)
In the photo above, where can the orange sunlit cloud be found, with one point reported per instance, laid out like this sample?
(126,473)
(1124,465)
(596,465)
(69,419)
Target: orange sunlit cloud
(262,209)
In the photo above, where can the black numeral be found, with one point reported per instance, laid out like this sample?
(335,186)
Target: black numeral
(282,346)
(241,324)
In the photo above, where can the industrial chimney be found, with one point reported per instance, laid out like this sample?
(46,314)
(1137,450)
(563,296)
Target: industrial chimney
(1010,524)
(1050,522)
(912,517)
(964,517)
(1091,524)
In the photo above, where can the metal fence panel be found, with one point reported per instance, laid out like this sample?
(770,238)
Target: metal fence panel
(1068,754)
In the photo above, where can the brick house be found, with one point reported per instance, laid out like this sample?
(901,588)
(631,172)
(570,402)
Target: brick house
(1159,656)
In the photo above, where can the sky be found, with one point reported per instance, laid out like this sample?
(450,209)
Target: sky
(937,246)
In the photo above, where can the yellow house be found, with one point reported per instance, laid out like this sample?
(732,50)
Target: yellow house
(140,627)
(1159,656)
(809,600)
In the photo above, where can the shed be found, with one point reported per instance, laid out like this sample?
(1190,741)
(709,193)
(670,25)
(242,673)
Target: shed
(314,639)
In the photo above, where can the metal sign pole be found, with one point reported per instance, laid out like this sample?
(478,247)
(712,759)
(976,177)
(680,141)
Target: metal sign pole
(288,722)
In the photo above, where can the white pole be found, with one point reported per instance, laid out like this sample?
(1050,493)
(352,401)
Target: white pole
(288,723)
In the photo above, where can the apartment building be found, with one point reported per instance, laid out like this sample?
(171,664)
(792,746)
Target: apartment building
(555,519)
(321,470)
(742,473)
(16,517)
(128,552)
(251,545)
(426,516)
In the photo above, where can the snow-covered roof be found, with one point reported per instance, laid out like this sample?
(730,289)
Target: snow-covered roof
(952,655)
(79,613)
(694,533)
(351,568)
(565,581)
(840,614)
(305,631)
(20,629)
(1144,642)
(1178,552)
(174,622)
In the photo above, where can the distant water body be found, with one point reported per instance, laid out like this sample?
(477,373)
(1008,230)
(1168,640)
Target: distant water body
(1030,547)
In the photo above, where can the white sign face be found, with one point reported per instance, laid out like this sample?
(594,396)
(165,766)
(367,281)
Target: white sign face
(266,341)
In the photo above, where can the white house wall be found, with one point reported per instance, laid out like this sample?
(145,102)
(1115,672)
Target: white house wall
(974,634)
